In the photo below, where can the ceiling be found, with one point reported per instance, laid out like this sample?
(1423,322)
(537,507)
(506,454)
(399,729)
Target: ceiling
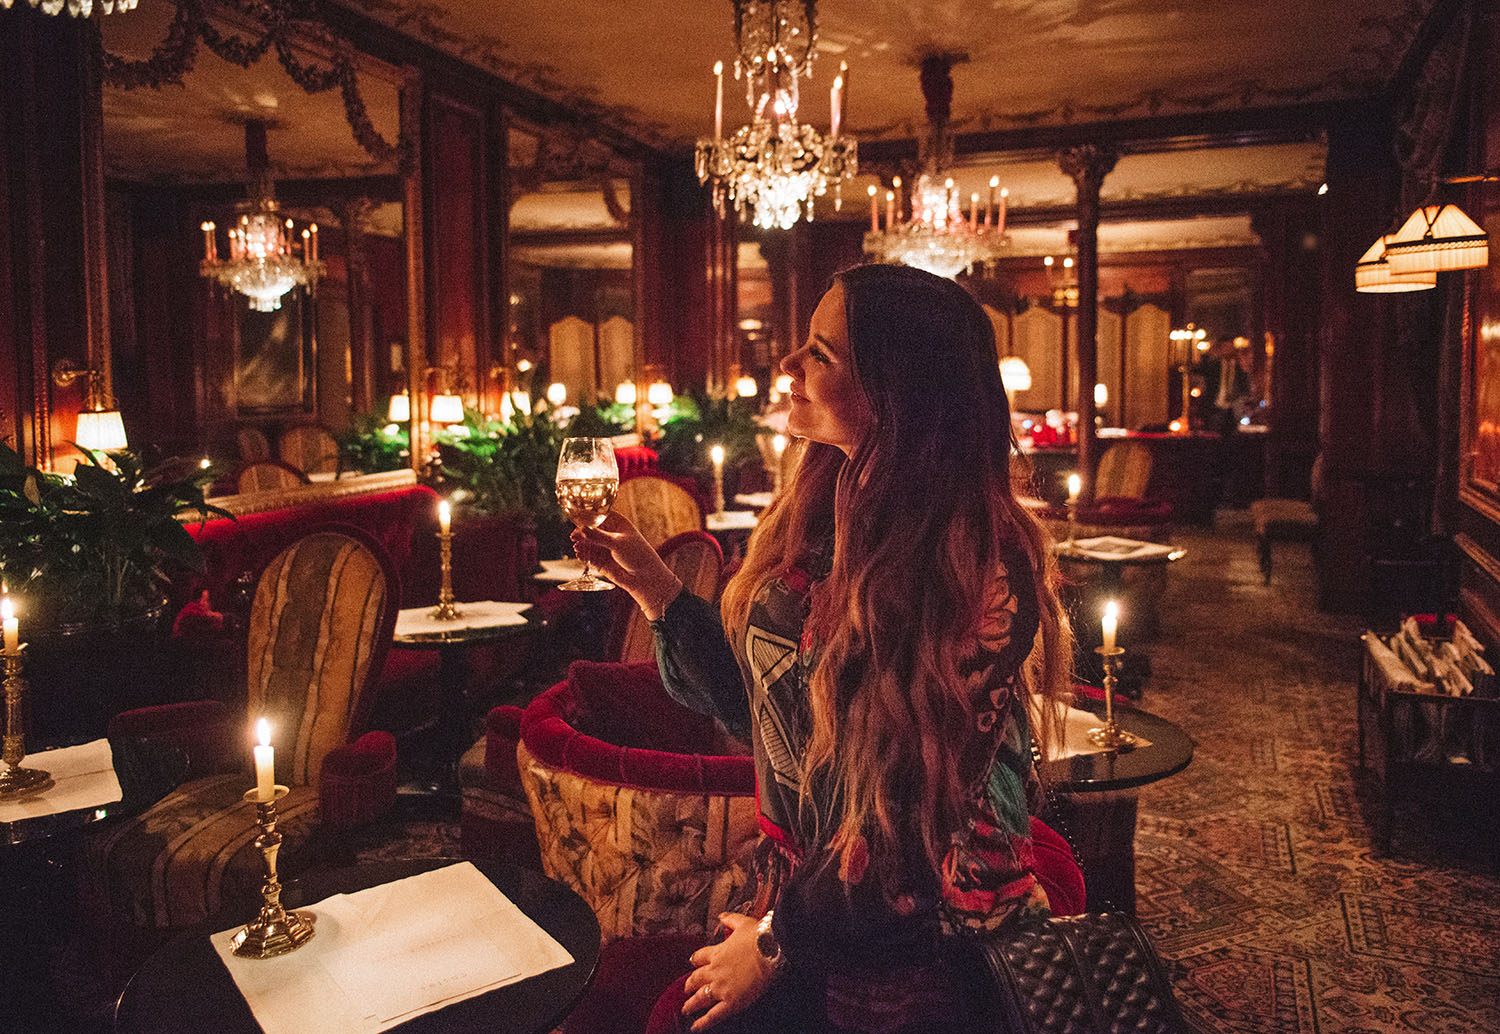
(646,66)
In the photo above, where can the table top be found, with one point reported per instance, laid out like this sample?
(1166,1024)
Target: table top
(184,988)
(1112,549)
(469,636)
(146,776)
(1170,751)
(731,520)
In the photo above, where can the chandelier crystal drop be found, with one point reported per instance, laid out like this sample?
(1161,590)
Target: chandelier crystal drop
(265,261)
(937,236)
(774,168)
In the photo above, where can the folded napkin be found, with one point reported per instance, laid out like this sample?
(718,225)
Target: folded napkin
(564,570)
(1113,547)
(384,955)
(1075,727)
(416,621)
(82,777)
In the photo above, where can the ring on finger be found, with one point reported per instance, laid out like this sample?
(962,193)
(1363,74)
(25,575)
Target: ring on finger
(708,992)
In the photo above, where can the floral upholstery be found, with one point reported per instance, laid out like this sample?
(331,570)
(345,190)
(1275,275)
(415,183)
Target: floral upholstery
(655,840)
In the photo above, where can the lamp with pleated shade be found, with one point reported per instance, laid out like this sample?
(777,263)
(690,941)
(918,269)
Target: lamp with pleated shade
(446,409)
(1373,273)
(1438,239)
(1015,374)
(399,411)
(101,430)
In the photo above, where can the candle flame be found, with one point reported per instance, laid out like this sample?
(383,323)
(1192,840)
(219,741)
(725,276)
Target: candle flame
(444,510)
(717,452)
(1112,610)
(263,732)
(994,182)
(1005,192)
(872,190)
(7,609)
(206,226)
(895,181)
(718,68)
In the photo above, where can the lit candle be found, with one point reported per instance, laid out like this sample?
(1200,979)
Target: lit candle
(874,210)
(265,763)
(1075,485)
(890,209)
(1000,222)
(445,517)
(12,627)
(974,209)
(1110,624)
(312,237)
(836,103)
(306,245)
(990,212)
(717,455)
(718,100)
(950,200)
(210,246)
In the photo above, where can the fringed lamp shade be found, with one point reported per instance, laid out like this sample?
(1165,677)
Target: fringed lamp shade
(1373,274)
(1438,239)
(101,430)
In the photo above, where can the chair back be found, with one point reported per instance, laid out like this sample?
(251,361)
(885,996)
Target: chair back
(253,444)
(323,616)
(1124,471)
(310,449)
(268,476)
(697,560)
(658,508)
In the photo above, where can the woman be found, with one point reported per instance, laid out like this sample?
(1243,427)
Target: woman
(879,657)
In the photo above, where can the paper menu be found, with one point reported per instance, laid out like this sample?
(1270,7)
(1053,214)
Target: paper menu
(384,955)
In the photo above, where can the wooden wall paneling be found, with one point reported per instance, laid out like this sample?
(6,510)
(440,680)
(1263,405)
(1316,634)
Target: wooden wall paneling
(1037,337)
(1111,330)
(616,355)
(571,357)
(1147,364)
(456,195)
(497,358)
(1000,322)
(414,213)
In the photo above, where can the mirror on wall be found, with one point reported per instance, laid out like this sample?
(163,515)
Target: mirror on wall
(572,290)
(195,361)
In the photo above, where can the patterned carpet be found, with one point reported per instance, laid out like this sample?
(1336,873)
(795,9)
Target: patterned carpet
(1257,875)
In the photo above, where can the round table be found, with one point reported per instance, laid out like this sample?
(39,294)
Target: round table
(1093,801)
(184,988)
(454,670)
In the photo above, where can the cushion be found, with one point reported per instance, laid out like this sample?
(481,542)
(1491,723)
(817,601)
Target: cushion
(630,977)
(190,856)
(1283,516)
(358,782)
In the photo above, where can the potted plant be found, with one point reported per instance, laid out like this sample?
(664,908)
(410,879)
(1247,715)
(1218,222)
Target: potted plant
(88,557)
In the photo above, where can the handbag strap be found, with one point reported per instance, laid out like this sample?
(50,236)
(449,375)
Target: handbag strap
(1054,813)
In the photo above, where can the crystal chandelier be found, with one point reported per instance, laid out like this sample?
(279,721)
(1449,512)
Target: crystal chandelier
(936,236)
(263,263)
(774,168)
(77,8)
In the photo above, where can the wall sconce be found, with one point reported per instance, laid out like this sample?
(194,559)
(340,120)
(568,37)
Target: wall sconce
(659,393)
(444,407)
(625,393)
(100,429)
(1015,376)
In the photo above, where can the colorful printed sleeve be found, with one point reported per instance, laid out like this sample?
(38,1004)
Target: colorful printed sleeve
(697,666)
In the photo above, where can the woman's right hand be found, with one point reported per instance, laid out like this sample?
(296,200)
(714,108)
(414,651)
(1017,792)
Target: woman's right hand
(627,559)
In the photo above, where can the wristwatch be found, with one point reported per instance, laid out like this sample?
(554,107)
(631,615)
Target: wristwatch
(765,943)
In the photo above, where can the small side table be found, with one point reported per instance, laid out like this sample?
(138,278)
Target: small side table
(1096,794)
(454,669)
(185,989)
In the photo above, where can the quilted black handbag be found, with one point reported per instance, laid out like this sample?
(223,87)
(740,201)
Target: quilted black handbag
(1088,974)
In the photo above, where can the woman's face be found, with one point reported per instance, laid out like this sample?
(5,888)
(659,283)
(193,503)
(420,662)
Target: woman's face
(828,404)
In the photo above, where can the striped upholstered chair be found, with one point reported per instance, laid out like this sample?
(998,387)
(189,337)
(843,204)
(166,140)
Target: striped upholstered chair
(319,627)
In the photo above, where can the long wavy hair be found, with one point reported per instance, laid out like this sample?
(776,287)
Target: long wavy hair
(920,514)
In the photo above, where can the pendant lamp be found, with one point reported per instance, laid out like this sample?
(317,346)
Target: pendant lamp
(1438,239)
(1373,273)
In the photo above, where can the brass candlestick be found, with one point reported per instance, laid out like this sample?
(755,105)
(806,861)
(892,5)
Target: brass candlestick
(446,610)
(1110,735)
(275,931)
(16,781)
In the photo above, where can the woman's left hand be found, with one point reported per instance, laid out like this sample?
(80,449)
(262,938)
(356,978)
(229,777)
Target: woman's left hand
(726,976)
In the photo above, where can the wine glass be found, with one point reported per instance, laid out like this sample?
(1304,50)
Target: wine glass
(587,480)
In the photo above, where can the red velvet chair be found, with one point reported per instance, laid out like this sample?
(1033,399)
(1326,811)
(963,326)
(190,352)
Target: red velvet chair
(319,627)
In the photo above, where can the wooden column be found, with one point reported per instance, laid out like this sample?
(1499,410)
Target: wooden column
(1088,165)
(412,104)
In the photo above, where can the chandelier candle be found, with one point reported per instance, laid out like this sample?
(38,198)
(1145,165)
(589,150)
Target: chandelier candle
(718,101)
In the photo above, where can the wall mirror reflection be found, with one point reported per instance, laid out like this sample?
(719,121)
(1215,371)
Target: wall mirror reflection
(189,166)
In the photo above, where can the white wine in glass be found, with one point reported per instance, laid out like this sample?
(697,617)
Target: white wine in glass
(587,479)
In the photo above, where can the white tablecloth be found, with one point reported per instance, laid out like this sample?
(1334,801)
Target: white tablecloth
(416,621)
(82,777)
(384,955)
